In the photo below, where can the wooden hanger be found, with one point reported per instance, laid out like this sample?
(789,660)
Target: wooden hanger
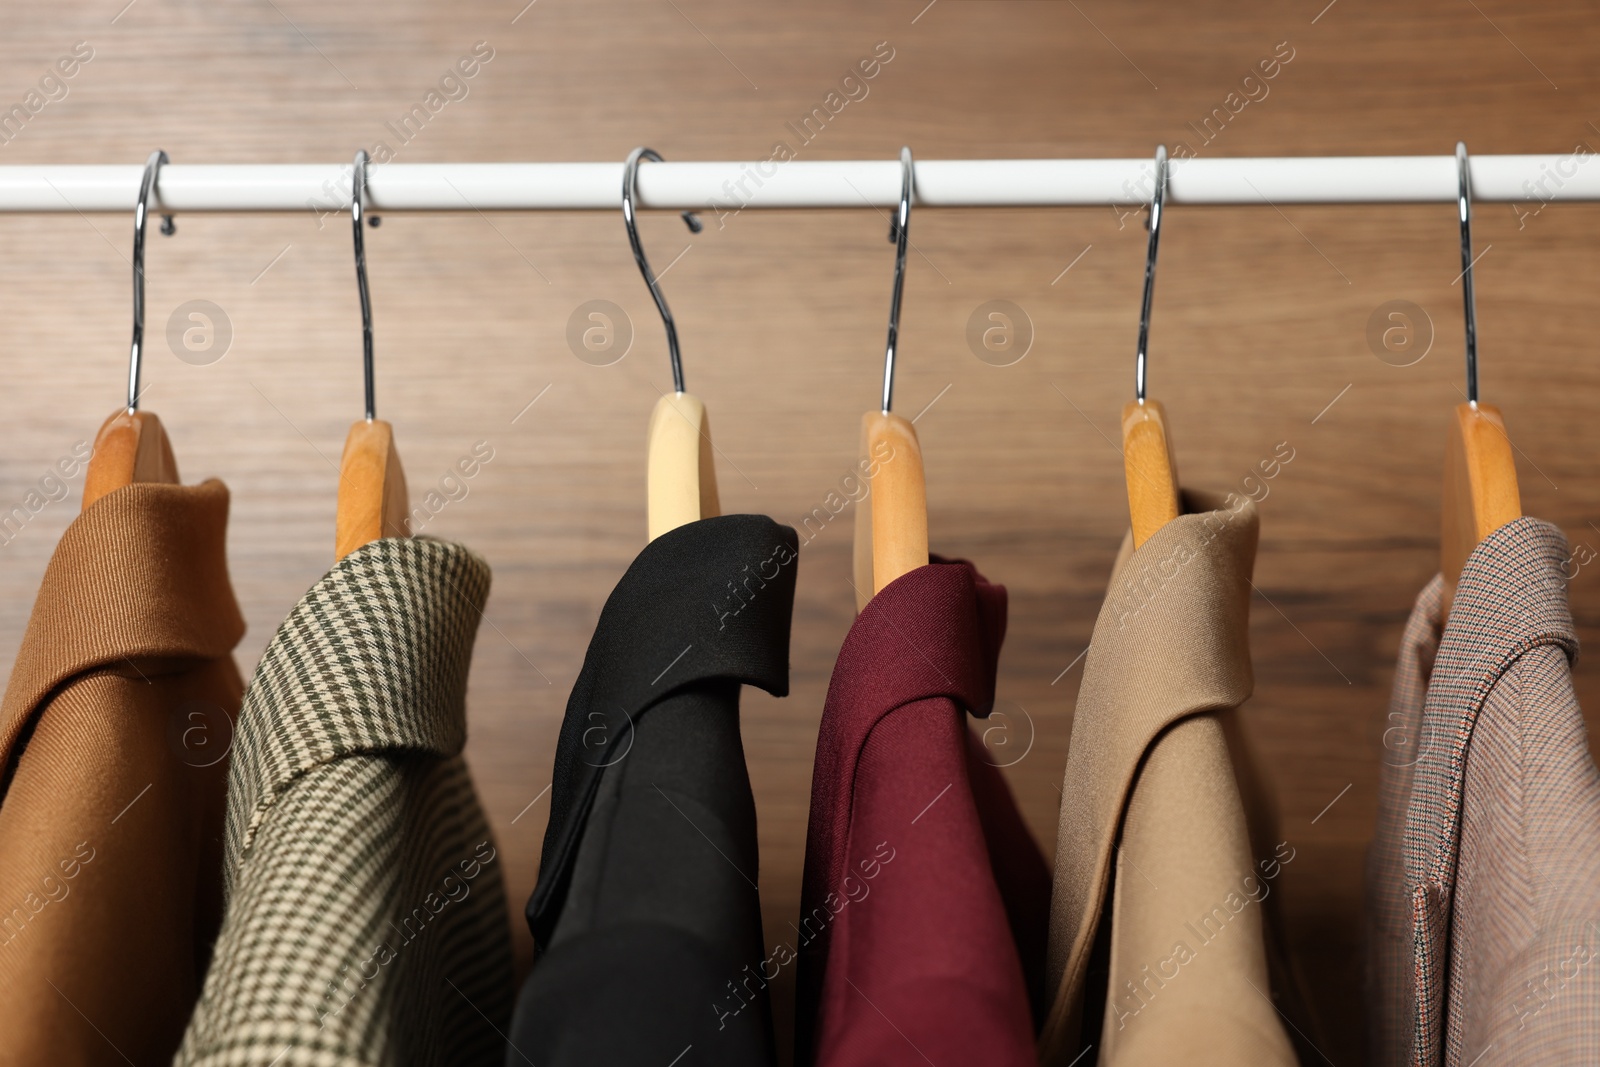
(681,476)
(132,445)
(1147,453)
(681,473)
(373,502)
(891,532)
(1480,475)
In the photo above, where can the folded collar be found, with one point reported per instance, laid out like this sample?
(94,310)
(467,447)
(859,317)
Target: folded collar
(373,659)
(139,581)
(1172,640)
(1511,597)
(711,600)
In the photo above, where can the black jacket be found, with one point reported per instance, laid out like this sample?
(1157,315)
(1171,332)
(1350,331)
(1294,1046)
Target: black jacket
(646,916)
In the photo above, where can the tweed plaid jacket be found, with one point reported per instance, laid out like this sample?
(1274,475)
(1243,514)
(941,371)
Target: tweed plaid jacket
(1484,876)
(365,920)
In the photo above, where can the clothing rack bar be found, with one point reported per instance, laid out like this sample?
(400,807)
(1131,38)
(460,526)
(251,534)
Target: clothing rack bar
(720,188)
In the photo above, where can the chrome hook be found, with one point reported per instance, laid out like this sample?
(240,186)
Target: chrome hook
(899,229)
(1464,211)
(152,174)
(630,181)
(1157,198)
(358,192)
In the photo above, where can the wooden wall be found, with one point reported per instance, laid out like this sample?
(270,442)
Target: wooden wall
(1261,323)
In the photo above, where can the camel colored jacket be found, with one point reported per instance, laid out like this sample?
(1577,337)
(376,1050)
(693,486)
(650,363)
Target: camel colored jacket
(1160,957)
(114,735)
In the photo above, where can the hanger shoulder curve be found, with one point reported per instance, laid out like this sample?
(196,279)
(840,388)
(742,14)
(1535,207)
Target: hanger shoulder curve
(897,518)
(373,500)
(1480,486)
(130,447)
(861,546)
(1151,468)
(681,473)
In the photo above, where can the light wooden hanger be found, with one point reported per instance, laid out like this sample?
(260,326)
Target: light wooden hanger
(891,533)
(373,502)
(681,475)
(1147,456)
(132,445)
(1480,476)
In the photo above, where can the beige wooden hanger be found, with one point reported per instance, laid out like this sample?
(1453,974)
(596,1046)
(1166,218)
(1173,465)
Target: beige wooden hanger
(373,502)
(1147,454)
(132,445)
(1480,476)
(681,474)
(891,533)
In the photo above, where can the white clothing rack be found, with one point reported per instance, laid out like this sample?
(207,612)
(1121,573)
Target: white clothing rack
(726,187)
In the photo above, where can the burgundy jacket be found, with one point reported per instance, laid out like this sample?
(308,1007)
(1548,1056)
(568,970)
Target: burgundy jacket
(925,904)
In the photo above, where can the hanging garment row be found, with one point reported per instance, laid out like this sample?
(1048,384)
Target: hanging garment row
(325,889)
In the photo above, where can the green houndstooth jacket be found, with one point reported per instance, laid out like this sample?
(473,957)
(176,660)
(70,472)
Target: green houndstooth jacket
(366,920)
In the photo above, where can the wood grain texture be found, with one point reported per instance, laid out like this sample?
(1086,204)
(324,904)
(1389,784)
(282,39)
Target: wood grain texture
(373,501)
(1262,335)
(899,495)
(681,478)
(1480,487)
(1150,467)
(130,447)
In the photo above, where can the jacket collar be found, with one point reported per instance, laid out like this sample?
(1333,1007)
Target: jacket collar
(374,658)
(1171,640)
(137,584)
(1511,598)
(711,600)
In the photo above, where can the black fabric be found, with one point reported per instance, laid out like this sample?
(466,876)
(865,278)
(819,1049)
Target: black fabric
(566,1014)
(651,845)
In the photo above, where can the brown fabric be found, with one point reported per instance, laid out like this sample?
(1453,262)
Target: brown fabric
(1152,763)
(1387,904)
(113,737)
(1484,877)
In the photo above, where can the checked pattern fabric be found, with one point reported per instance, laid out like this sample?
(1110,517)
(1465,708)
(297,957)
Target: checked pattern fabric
(365,920)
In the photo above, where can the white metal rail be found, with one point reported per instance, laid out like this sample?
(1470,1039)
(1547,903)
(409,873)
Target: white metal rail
(716,187)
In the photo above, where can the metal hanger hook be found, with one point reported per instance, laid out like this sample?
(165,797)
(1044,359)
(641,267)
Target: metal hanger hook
(358,192)
(1157,199)
(1464,211)
(899,228)
(630,190)
(152,174)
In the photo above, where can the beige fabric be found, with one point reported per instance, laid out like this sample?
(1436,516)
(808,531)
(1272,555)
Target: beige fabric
(1151,762)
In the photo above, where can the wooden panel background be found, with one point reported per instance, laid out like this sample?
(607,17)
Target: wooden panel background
(1261,322)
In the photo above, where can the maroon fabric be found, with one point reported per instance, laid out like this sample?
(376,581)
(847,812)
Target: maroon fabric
(921,878)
